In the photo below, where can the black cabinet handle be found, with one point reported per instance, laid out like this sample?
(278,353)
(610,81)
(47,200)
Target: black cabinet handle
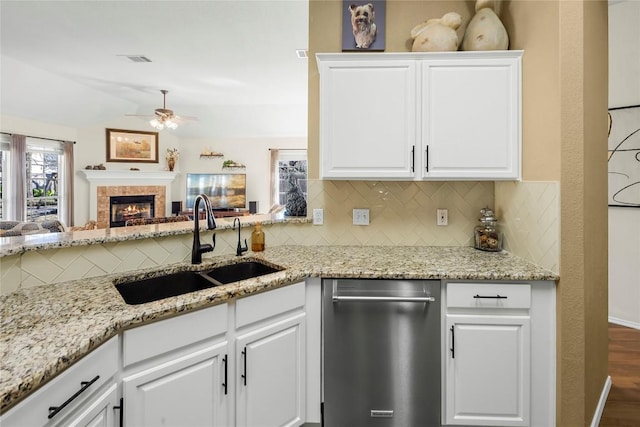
(244,375)
(121,407)
(53,410)
(476,296)
(224,384)
(413,158)
(427,159)
(453,342)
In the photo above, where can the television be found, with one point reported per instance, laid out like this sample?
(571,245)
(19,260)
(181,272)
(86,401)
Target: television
(226,191)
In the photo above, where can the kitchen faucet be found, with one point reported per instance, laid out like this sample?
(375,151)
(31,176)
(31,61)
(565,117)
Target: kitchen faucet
(240,249)
(198,248)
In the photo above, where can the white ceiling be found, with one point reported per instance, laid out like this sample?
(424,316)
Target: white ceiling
(232,64)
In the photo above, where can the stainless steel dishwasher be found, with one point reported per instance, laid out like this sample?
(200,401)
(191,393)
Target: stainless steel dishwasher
(381,353)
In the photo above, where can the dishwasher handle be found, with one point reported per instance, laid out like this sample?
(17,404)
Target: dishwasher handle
(337,298)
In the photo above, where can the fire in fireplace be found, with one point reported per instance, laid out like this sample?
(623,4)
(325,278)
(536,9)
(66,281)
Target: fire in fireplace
(124,208)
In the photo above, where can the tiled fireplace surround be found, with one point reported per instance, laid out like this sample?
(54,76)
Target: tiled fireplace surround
(104,184)
(104,193)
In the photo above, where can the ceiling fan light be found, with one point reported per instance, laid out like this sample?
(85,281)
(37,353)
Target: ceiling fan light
(156,124)
(171,125)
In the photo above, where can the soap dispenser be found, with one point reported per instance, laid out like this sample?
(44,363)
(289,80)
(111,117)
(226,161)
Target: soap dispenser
(487,235)
(257,238)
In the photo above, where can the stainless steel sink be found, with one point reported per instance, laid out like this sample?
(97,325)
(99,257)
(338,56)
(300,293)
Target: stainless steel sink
(183,282)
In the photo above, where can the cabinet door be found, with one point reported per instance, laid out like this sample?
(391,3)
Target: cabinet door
(271,375)
(471,118)
(187,391)
(488,370)
(99,412)
(367,119)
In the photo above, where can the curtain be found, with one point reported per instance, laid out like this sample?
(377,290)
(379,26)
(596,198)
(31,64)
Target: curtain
(273,173)
(17,197)
(66,190)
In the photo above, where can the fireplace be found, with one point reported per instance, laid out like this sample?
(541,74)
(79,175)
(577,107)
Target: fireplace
(124,208)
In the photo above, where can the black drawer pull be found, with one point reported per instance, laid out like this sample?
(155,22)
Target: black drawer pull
(489,296)
(413,158)
(244,375)
(121,408)
(53,410)
(453,342)
(224,384)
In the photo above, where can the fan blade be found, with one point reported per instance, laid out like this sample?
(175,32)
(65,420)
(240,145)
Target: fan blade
(146,116)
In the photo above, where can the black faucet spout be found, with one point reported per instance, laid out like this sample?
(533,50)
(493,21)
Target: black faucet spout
(198,248)
(240,249)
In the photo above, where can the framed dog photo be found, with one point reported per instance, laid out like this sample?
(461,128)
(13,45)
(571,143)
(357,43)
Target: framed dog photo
(132,146)
(363,25)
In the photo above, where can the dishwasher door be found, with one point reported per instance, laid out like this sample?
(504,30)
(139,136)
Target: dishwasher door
(381,353)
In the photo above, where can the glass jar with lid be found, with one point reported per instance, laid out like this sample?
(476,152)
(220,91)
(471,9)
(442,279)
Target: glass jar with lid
(487,234)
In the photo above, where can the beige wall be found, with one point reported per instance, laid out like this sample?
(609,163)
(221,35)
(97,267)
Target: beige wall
(564,139)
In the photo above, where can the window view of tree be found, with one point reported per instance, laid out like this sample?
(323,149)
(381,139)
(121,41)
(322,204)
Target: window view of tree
(291,171)
(42,185)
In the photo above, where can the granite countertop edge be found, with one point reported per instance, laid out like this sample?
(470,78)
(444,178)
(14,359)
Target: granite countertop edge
(17,245)
(91,311)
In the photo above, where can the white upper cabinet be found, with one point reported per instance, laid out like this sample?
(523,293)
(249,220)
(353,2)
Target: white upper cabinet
(422,116)
(367,118)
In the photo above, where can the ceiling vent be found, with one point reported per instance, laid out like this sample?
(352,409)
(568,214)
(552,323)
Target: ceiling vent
(136,58)
(302,53)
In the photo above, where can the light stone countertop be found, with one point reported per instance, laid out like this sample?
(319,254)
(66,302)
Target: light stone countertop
(46,329)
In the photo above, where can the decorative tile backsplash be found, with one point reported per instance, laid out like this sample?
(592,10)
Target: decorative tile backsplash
(401,213)
(529,213)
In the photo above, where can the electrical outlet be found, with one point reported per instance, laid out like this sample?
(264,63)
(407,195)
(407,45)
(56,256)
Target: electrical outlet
(442,217)
(318,216)
(361,217)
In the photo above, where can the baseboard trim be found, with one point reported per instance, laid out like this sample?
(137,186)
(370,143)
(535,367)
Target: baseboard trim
(623,322)
(603,400)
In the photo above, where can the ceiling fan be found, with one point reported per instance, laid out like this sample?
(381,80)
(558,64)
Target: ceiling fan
(163,117)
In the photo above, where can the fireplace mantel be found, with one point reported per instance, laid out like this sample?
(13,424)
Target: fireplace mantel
(107,177)
(124,178)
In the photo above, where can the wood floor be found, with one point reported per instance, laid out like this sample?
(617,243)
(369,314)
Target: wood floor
(623,405)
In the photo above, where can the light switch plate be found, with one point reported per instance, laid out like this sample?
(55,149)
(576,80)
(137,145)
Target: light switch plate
(361,217)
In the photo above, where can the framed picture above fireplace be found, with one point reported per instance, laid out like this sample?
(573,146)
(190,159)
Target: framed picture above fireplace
(132,146)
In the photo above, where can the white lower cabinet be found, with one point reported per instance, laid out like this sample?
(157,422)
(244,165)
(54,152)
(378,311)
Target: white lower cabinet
(187,391)
(241,363)
(81,395)
(272,372)
(102,411)
(175,371)
(488,370)
(499,354)
(271,358)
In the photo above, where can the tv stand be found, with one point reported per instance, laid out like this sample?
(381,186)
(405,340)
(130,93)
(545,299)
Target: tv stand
(229,213)
(217,213)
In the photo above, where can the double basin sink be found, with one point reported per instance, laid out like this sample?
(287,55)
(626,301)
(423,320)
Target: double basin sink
(183,282)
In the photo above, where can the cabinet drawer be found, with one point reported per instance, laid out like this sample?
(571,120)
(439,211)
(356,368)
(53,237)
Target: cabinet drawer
(488,295)
(268,304)
(171,334)
(96,368)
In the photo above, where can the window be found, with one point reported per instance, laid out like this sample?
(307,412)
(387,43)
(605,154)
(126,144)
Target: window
(43,161)
(287,166)
(32,188)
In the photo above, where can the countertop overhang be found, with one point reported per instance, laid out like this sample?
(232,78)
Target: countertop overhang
(46,329)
